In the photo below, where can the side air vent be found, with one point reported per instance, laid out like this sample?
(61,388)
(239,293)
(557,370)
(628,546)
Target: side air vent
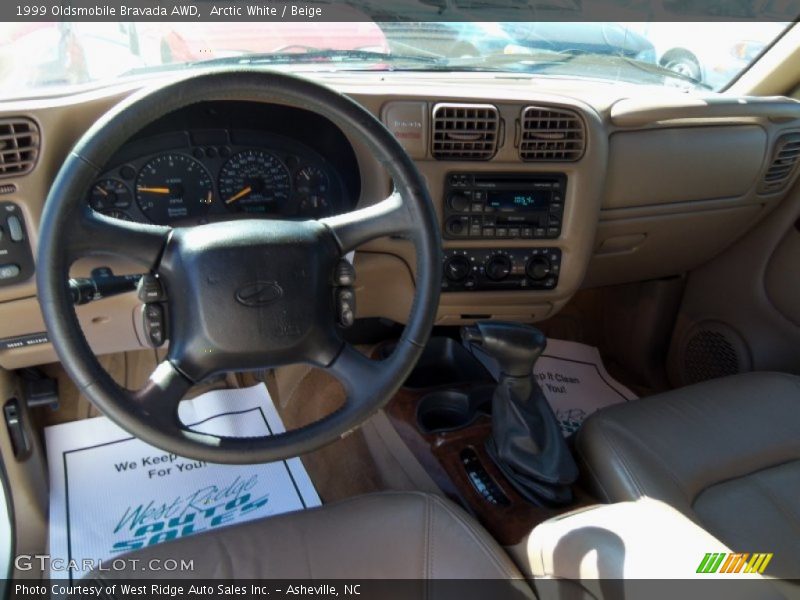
(19,146)
(551,134)
(465,131)
(784,160)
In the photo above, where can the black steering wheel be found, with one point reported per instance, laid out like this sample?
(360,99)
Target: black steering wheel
(241,295)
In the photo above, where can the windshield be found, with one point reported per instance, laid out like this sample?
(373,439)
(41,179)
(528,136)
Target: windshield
(43,56)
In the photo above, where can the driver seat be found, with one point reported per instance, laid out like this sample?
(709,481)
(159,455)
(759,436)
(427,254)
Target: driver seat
(389,535)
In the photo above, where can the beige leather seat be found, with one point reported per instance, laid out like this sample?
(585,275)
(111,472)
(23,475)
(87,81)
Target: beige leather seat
(393,535)
(725,452)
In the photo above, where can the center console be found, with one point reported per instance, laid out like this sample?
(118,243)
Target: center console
(503,206)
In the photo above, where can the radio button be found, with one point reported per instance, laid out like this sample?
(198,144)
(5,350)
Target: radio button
(538,232)
(477,207)
(513,232)
(502,232)
(475,226)
(553,231)
(527,232)
(488,232)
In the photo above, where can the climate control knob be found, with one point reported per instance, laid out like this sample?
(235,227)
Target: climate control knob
(538,268)
(457,268)
(498,267)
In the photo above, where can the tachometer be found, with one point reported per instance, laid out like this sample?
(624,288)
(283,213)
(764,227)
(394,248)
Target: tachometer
(254,181)
(173,186)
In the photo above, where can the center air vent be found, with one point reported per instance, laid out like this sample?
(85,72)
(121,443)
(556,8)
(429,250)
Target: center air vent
(19,146)
(552,134)
(784,161)
(465,131)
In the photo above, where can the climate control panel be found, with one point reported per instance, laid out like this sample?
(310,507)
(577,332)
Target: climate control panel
(501,269)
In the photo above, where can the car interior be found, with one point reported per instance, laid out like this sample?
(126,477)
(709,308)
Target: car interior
(390,252)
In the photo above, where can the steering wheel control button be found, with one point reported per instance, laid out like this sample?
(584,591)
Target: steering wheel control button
(345,273)
(154,324)
(478,269)
(346,306)
(150,289)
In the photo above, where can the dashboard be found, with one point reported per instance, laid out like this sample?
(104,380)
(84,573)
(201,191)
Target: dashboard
(553,189)
(206,173)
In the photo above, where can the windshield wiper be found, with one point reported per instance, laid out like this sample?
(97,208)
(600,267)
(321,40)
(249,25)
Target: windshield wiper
(541,60)
(317,56)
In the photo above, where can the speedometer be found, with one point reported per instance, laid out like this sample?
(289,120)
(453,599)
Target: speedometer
(173,186)
(254,181)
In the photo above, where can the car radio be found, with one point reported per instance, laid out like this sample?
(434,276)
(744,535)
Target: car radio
(504,205)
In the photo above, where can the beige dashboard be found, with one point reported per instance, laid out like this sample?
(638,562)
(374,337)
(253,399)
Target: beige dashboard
(665,181)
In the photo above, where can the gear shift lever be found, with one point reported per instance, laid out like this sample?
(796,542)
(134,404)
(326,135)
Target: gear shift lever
(526,441)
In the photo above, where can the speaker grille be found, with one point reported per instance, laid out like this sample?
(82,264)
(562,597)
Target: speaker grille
(710,354)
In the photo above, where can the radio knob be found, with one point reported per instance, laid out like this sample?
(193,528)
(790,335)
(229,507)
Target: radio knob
(459,202)
(456,268)
(455,226)
(498,267)
(538,268)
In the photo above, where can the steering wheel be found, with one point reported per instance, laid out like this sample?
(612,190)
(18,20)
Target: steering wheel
(241,295)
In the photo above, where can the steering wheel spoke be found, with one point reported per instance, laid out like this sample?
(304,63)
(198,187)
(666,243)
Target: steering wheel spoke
(388,217)
(96,233)
(159,397)
(356,372)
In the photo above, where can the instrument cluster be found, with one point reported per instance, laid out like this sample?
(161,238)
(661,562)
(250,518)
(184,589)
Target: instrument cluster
(186,178)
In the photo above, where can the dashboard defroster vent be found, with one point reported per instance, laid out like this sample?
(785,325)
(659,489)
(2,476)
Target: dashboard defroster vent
(551,134)
(465,131)
(784,160)
(19,146)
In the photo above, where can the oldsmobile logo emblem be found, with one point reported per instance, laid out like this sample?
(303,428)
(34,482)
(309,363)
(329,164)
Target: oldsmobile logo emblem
(259,293)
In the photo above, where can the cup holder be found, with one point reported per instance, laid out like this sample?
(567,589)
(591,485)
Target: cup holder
(449,410)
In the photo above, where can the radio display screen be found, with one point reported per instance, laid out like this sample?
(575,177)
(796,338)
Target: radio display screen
(516,201)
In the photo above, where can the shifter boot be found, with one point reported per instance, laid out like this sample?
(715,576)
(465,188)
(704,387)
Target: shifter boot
(526,443)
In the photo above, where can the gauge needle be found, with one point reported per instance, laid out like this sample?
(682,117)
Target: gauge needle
(238,195)
(209,198)
(101,190)
(153,190)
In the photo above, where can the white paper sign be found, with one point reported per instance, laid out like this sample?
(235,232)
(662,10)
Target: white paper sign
(576,383)
(111,493)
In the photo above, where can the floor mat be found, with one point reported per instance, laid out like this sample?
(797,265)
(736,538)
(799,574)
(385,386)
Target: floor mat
(573,379)
(111,493)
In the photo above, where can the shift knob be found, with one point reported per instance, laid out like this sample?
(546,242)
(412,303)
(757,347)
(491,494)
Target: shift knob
(514,346)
